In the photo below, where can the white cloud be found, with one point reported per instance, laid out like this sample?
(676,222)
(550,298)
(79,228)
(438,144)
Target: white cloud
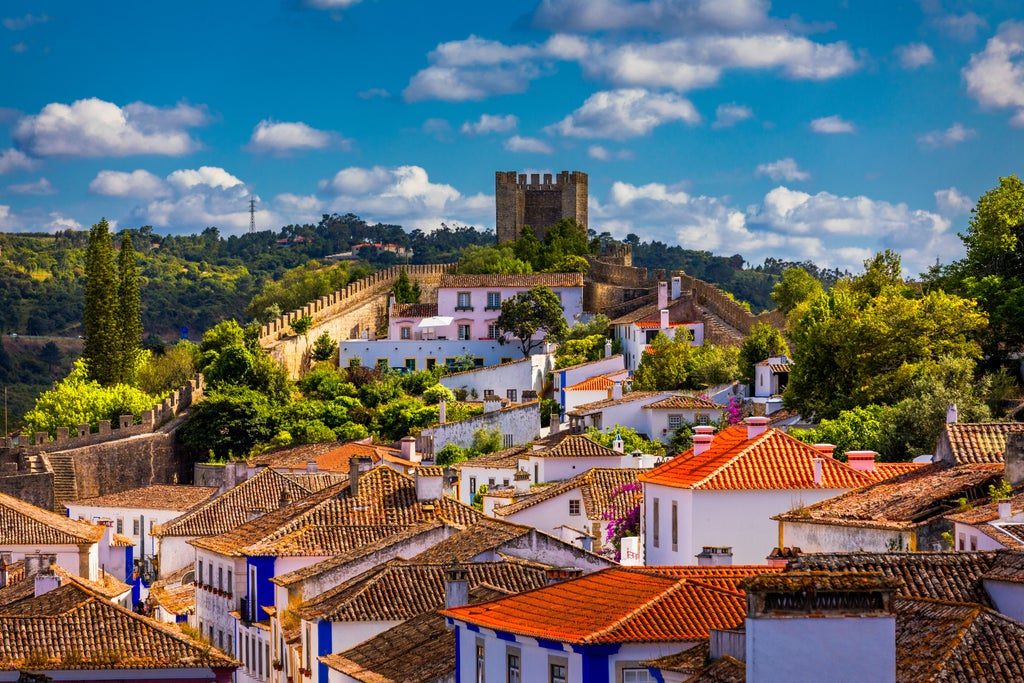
(783,169)
(14,160)
(728,115)
(204,176)
(38,187)
(299,205)
(332,4)
(7,221)
(952,202)
(832,125)
(626,113)
(139,183)
(279,138)
(405,195)
(598,152)
(488,123)
(914,55)
(958,26)
(953,135)
(995,76)
(22,23)
(518,143)
(59,221)
(659,15)
(94,128)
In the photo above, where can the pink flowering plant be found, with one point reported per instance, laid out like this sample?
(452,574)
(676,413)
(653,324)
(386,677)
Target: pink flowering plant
(623,515)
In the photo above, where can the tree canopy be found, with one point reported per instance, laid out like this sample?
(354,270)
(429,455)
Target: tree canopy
(530,312)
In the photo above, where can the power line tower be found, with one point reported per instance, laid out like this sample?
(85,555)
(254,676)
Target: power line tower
(252,215)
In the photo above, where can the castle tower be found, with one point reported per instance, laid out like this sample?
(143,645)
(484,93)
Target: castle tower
(537,204)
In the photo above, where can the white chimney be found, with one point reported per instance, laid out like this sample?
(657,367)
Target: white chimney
(311,467)
(1005,511)
(522,479)
(617,390)
(756,426)
(715,556)
(456,586)
(704,429)
(825,449)
(46,581)
(442,411)
(862,461)
(662,294)
(428,488)
(629,552)
(618,445)
(819,465)
(556,423)
(409,449)
(664,318)
(607,348)
(952,414)
(701,443)
(677,287)
(492,404)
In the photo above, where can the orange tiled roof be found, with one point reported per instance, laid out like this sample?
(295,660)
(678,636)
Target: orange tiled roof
(329,457)
(596,487)
(679,309)
(723,576)
(656,324)
(156,497)
(771,460)
(988,512)
(595,406)
(413,310)
(524,280)
(500,460)
(593,384)
(22,523)
(888,470)
(174,596)
(684,402)
(487,534)
(21,588)
(982,442)
(614,605)
(574,446)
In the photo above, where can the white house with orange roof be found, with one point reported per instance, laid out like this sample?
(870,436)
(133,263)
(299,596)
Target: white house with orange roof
(725,489)
(612,366)
(669,316)
(654,413)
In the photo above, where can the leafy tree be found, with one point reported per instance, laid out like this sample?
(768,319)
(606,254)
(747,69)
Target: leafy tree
(764,341)
(528,248)
(227,422)
(682,439)
(858,429)
(222,335)
(302,324)
(665,364)
(49,354)
(129,311)
(403,415)
(631,440)
(492,259)
(325,348)
(433,395)
(575,351)
(882,271)
(406,292)
(565,243)
(527,313)
(101,350)
(572,264)
(169,370)
(795,287)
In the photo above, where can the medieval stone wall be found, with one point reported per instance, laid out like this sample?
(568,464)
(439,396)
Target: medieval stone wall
(538,202)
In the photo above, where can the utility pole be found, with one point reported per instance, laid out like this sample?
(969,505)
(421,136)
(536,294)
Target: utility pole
(252,215)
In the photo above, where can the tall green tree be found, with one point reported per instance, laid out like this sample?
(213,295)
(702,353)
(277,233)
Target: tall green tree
(764,341)
(129,312)
(527,313)
(795,287)
(406,291)
(102,346)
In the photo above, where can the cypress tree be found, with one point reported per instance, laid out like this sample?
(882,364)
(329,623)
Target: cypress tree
(129,313)
(102,337)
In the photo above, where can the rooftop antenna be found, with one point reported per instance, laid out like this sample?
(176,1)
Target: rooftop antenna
(252,215)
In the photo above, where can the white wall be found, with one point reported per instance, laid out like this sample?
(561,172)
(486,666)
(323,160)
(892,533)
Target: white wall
(127,516)
(212,608)
(521,421)
(628,414)
(634,339)
(67,556)
(175,553)
(483,476)
(479,317)
(522,375)
(396,351)
(657,420)
(560,469)
(827,538)
(1007,597)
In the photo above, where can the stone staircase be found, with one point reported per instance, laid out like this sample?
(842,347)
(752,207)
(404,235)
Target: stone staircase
(65,483)
(36,464)
(717,331)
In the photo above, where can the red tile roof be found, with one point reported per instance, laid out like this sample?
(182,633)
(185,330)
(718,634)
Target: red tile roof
(593,384)
(614,605)
(573,446)
(156,497)
(413,311)
(771,460)
(596,406)
(524,280)
(597,486)
(982,442)
(329,457)
(656,324)
(22,523)
(684,402)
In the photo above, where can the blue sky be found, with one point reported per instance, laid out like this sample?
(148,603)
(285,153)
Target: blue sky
(799,130)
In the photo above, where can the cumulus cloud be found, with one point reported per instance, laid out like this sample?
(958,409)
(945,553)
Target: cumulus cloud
(518,143)
(995,76)
(7,220)
(139,183)
(205,176)
(962,27)
(832,125)
(914,55)
(405,194)
(728,115)
(625,113)
(15,160)
(95,128)
(602,153)
(783,169)
(952,202)
(488,123)
(282,138)
(58,221)
(22,23)
(953,135)
(659,15)
(37,187)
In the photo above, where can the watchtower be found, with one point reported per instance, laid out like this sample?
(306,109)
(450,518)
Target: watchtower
(537,204)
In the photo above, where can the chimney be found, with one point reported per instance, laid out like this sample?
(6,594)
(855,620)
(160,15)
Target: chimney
(556,423)
(456,586)
(677,287)
(618,445)
(429,487)
(522,479)
(629,553)
(862,461)
(442,411)
(826,449)
(701,443)
(311,467)
(617,390)
(286,498)
(715,556)
(33,562)
(559,574)
(756,426)
(108,538)
(1005,511)
(664,319)
(492,404)
(1013,458)
(409,449)
(704,429)
(607,348)
(662,294)
(952,414)
(819,464)
(357,464)
(46,581)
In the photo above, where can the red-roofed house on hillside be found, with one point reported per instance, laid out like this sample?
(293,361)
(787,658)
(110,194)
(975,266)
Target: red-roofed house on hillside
(654,413)
(668,316)
(724,491)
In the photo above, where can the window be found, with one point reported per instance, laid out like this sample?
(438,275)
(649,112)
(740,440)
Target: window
(463,303)
(382,363)
(480,661)
(478,362)
(136,527)
(513,667)
(472,485)
(675,526)
(656,522)
(231,645)
(675,421)
(961,542)
(410,363)
(490,483)
(354,362)
(309,647)
(574,508)
(120,525)
(220,578)
(231,586)
(508,441)
(431,362)
(974,542)
(200,577)
(505,359)
(702,419)
(493,300)
(504,483)
(464,332)
(405,332)
(637,676)
(536,473)
(512,393)
(209,578)
(492,331)
(220,639)
(558,673)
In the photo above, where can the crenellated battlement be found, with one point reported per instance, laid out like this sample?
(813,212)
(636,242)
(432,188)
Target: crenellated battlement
(538,200)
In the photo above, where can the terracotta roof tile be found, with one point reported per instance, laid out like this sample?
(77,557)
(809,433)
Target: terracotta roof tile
(507,459)
(684,402)
(771,460)
(678,311)
(947,641)
(980,442)
(574,446)
(401,590)
(656,324)
(689,661)
(632,396)
(413,310)
(174,596)
(888,470)
(598,383)
(524,280)
(725,669)
(614,605)
(21,588)
(597,486)
(989,512)
(902,502)
(1008,566)
(156,497)
(22,523)
(723,576)
(329,457)
(487,534)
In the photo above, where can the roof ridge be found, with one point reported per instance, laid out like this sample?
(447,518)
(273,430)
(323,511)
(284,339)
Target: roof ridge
(670,590)
(756,441)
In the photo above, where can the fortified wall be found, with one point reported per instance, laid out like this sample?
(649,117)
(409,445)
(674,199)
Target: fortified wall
(50,472)
(356,312)
(537,202)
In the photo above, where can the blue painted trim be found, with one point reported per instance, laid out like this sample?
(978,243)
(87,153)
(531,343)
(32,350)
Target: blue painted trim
(264,589)
(657,674)
(595,668)
(458,657)
(551,644)
(501,635)
(473,627)
(323,647)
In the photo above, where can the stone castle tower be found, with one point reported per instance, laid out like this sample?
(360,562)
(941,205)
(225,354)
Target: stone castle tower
(538,204)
